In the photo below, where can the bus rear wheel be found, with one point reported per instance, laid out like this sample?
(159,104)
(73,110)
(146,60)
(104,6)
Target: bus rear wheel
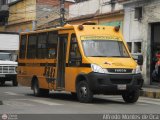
(84,94)
(131,96)
(38,91)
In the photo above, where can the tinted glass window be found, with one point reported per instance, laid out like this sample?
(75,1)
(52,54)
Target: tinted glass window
(32,42)
(23,46)
(42,45)
(104,48)
(75,56)
(52,44)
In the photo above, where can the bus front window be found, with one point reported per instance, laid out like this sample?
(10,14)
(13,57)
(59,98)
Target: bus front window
(104,48)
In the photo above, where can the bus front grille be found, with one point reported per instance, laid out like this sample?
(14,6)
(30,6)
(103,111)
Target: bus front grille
(120,81)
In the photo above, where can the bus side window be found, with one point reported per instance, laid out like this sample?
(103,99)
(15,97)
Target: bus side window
(32,45)
(52,45)
(23,46)
(75,58)
(42,45)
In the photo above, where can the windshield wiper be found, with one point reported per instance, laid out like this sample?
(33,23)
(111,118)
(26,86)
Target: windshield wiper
(119,56)
(96,56)
(109,56)
(114,56)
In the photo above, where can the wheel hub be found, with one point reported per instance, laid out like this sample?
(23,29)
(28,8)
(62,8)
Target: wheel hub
(83,91)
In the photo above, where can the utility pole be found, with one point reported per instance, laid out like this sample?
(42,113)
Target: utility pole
(62,12)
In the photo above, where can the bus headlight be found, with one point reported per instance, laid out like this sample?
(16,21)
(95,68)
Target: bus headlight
(98,69)
(137,70)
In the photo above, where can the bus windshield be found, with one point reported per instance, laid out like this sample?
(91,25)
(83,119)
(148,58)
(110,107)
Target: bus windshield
(104,48)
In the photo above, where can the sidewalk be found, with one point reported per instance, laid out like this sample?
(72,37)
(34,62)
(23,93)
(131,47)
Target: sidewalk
(150,92)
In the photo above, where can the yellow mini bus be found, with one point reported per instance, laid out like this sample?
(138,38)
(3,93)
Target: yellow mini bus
(82,59)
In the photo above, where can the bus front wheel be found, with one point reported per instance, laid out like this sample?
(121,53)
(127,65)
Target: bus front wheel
(84,94)
(131,96)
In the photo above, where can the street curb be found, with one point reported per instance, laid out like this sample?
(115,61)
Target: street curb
(150,94)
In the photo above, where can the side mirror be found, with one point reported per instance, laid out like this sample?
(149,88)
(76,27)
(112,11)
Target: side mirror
(138,59)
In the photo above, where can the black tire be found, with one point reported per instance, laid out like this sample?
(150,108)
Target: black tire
(84,94)
(2,82)
(14,82)
(73,94)
(38,91)
(44,92)
(131,96)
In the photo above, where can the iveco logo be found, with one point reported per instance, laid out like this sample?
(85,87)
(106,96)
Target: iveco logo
(121,70)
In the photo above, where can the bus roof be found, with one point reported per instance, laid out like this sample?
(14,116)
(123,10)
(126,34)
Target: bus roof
(65,27)
(99,29)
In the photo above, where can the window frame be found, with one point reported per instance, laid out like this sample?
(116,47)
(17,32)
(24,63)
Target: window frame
(39,54)
(22,54)
(138,15)
(33,56)
(78,59)
(55,44)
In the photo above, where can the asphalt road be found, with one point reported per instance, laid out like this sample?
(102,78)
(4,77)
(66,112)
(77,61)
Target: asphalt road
(20,100)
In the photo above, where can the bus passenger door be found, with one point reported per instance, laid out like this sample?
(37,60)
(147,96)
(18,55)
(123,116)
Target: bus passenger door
(61,61)
(74,64)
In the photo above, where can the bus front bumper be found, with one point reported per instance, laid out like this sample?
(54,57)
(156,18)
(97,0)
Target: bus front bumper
(114,83)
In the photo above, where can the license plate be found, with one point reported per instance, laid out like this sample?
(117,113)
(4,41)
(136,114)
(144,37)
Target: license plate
(2,75)
(121,87)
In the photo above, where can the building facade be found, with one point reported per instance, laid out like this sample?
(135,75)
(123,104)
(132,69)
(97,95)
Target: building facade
(22,15)
(4,14)
(104,12)
(142,32)
(29,15)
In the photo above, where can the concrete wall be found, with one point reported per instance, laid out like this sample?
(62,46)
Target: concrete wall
(105,6)
(98,11)
(49,10)
(22,15)
(20,27)
(92,7)
(27,15)
(22,11)
(140,30)
(83,8)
